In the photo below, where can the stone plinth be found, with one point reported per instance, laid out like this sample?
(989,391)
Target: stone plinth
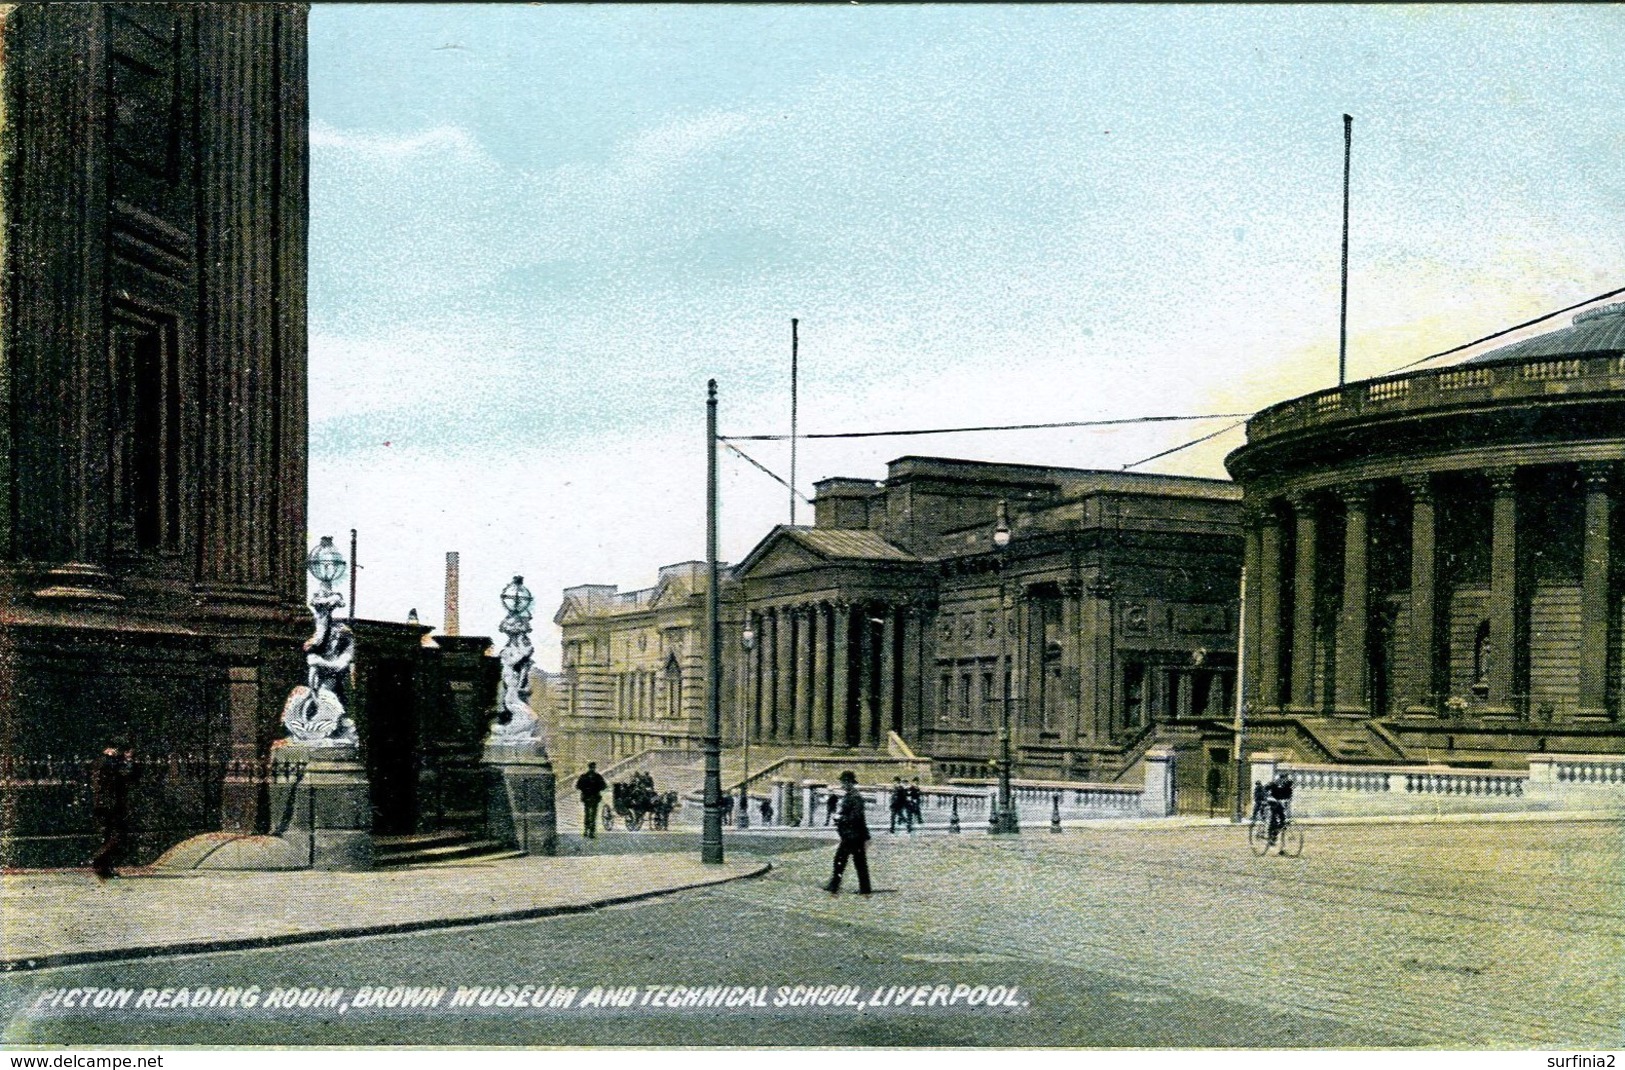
(1158,798)
(326,814)
(519,796)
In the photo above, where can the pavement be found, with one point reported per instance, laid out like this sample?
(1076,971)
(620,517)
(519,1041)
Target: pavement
(61,917)
(1454,935)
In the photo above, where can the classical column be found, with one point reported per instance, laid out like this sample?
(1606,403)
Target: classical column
(1503,607)
(886,685)
(801,728)
(1182,694)
(1594,588)
(1354,620)
(1019,693)
(821,673)
(840,670)
(1071,703)
(1303,605)
(1424,596)
(1099,666)
(787,672)
(866,671)
(1250,617)
(1268,687)
(913,672)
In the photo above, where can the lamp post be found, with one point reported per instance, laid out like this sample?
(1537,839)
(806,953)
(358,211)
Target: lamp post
(314,713)
(711,829)
(747,642)
(1005,821)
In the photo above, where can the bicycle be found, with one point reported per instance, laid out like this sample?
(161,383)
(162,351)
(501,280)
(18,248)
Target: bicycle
(1288,838)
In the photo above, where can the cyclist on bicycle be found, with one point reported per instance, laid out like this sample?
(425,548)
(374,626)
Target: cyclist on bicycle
(1279,797)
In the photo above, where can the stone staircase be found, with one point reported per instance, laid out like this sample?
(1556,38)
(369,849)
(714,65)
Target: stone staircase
(1350,741)
(437,848)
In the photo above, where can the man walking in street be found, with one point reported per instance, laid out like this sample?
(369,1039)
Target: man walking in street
(899,802)
(916,811)
(591,785)
(854,831)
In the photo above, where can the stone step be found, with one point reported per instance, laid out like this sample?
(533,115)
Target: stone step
(416,841)
(465,850)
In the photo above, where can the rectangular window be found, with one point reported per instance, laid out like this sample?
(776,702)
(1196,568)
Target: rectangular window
(964,694)
(946,708)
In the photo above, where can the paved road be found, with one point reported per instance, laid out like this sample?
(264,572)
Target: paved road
(1461,935)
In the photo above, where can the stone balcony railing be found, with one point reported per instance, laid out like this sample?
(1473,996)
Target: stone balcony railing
(1512,380)
(1553,782)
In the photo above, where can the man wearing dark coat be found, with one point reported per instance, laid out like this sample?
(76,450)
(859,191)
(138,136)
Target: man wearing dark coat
(110,802)
(854,832)
(591,785)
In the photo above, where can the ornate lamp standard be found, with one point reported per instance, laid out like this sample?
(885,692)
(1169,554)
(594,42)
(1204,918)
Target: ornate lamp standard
(515,722)
(314,714)
(747,642)
(1005,821)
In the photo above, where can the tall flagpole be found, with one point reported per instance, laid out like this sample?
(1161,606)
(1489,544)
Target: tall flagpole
(1343,326)
(793,385)
(711,830)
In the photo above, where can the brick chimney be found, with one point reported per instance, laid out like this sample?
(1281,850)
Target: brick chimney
(452,626)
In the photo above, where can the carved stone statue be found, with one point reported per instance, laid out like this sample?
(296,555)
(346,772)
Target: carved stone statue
(515,723)
(314,712)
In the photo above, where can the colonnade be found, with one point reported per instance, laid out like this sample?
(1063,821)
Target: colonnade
(1284,672)
(832,673)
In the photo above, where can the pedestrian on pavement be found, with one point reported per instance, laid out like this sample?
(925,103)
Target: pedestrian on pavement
(916,813)
(110,797)
(591,785)
(830,804)
(727,808)
(899,802)
(767,811)
(1259,794)
(854,831)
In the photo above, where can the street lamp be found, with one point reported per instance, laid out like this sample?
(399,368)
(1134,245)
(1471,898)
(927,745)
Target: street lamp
(747,642)
(1005,821)
(326,564)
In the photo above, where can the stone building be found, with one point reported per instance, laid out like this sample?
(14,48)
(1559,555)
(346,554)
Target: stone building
(152,435)
(633,672)
(894,624)
(1431,558)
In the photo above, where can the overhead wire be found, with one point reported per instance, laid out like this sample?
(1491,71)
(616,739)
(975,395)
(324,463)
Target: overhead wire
(1240,417)
(764,469)
(1508,330)
(904,432)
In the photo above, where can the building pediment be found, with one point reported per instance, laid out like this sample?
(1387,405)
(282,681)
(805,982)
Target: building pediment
(779,556)
(570,610)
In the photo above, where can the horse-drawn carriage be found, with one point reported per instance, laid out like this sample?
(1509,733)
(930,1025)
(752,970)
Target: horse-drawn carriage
(634,801)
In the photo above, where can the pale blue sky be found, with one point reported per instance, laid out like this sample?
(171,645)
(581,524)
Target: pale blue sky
(536,231)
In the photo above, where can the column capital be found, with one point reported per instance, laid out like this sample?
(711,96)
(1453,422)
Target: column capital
(1354,495)
(1421,487)
(1302,502)
(1502,478)
(1260,513)
(1599,475)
